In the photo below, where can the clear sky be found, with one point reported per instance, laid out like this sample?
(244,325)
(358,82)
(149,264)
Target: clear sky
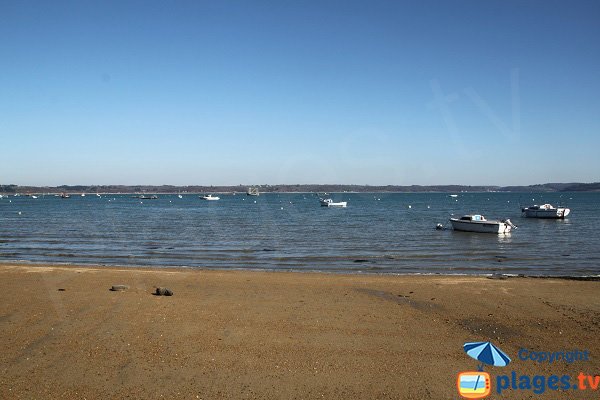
(252,92)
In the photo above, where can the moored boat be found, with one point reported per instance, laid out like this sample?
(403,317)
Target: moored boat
(545,211)
(478,223)
(331,203)
(209,197)
(252,191)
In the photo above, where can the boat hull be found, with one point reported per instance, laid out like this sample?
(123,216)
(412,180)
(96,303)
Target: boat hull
(338,204)
(555,213)
(480,226)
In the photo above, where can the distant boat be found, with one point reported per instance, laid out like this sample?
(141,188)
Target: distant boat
(209,197)
(545,211)
(453,195)
(252,191)
(33,196)
(478,223)
(82,194)
(180,196)
(331,203)
(65,195)
(146,197)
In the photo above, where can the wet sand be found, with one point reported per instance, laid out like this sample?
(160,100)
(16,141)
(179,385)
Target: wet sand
(272,335)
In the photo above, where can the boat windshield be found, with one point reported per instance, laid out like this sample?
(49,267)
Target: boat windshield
(473,218)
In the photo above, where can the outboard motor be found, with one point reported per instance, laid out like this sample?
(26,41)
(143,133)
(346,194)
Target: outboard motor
(508,222)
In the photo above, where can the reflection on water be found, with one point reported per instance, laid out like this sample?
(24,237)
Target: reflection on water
(376,233)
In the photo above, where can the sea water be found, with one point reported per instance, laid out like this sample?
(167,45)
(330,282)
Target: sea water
(376,233)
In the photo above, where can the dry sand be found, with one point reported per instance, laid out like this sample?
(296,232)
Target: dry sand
(237,334)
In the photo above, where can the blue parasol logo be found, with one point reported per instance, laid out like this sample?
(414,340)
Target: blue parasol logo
(486,353)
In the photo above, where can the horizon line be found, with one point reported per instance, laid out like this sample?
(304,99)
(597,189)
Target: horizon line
(305,184)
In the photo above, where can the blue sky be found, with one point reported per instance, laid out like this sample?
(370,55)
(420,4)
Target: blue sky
(252,92)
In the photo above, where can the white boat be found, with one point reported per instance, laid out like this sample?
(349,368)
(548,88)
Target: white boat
(478,223)
(33,196)
(453,195)
(252,191)
(180,196)
(209,197)
(331,203)
(545,211)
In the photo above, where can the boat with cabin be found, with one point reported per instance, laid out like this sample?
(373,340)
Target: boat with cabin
(545,211)
(252,191)
(209,197)
(331,203)
(478,223)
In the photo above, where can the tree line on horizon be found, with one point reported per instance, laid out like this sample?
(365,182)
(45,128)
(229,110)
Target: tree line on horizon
(315,188)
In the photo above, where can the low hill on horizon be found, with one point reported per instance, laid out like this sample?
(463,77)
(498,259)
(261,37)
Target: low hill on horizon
(318,188)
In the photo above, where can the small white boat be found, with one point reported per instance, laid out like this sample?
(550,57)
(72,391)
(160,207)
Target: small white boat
(453,195)
(545,211)
(180,196)
(478,223)
(331,203)
(33,196)
(209,197)
(252,191)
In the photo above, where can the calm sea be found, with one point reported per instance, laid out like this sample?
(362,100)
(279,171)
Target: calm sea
(377,233)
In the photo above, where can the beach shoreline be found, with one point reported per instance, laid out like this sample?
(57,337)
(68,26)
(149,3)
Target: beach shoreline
(366,272)
(259,334)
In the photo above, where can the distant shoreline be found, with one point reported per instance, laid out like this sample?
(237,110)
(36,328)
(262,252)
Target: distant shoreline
(305,188)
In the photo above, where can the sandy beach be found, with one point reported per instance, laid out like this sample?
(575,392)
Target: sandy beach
(276,335)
